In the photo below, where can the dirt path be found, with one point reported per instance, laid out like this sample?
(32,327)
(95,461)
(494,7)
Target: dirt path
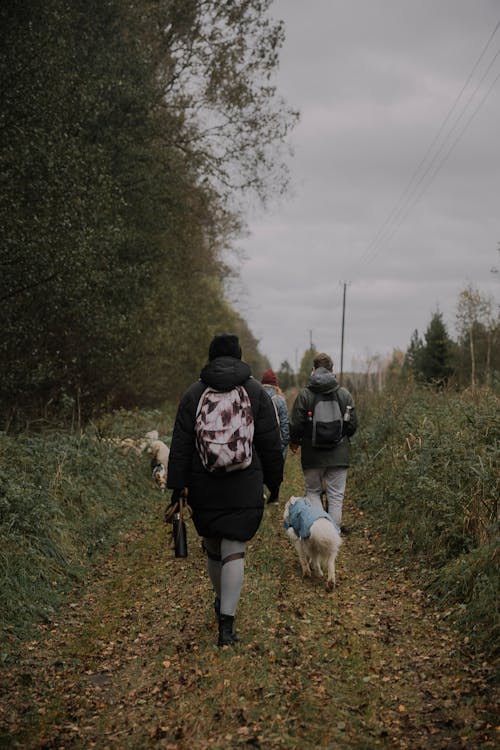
(131,661)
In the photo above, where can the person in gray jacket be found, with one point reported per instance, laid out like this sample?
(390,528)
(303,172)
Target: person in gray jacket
(323,467)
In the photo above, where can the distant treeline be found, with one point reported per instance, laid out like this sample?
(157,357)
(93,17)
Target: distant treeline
(436,359)
(129,134)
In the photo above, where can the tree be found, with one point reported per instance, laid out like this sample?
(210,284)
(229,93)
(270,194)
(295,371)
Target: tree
(125,129)
(395,367)
(413,357)
(215,62)
(477,325)
(286,376)
(438,353)
(306,365)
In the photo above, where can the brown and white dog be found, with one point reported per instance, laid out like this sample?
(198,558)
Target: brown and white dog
(159,451)
(314,535)
(159,461)
(159,474)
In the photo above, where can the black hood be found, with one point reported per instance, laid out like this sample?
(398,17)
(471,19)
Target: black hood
(224,373)
(323,381)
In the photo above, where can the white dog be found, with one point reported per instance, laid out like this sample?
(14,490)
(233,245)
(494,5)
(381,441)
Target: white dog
(315,536)
(151,436)
(159,451)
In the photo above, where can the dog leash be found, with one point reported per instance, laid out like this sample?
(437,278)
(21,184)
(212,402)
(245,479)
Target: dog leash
(177,507)
(176,514)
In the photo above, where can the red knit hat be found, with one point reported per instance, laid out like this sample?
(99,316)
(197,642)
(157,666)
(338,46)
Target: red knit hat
(269,378)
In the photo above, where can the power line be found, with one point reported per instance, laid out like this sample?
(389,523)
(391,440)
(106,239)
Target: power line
(437,169)
(396,215)
(400,215)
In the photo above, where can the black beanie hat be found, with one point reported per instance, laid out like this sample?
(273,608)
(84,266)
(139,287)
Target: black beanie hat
(224,345)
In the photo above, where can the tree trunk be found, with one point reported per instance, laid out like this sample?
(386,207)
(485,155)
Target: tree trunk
(472,360)
(488,359)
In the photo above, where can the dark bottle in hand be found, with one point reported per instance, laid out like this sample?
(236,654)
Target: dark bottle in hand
(180,536)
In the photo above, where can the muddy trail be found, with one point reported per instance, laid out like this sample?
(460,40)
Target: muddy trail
(130,661)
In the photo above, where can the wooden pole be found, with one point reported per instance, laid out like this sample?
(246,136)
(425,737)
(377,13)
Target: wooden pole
(342,338)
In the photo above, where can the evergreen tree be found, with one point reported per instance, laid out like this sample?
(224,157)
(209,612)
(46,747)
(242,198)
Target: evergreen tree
(437,360)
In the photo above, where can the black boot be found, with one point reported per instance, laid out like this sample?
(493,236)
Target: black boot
(217,607)
(227,637)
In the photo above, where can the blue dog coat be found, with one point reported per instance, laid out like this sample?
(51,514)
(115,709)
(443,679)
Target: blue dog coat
(302,514)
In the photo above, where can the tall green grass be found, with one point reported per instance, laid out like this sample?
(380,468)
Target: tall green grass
(428,472)
(63,500)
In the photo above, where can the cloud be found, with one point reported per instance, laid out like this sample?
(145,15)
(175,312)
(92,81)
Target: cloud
(374,80)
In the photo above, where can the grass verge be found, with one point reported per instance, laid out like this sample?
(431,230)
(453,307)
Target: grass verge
(64,499)
(427,472)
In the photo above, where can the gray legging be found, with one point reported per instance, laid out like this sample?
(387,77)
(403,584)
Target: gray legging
(225,563)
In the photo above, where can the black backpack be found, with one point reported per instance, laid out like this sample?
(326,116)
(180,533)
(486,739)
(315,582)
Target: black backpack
(327,421)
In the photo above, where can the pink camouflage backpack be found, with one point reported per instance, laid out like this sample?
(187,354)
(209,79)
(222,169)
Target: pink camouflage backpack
(224,430)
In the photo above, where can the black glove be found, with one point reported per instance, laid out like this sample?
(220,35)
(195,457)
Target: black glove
(176,496)
(169,510)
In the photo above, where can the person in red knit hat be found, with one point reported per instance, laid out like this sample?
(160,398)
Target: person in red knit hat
(270,383)
(270,378)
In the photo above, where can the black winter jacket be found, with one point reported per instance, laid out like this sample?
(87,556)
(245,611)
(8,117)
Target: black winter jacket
(226,505)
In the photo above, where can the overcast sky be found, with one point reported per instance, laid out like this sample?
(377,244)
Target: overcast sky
(379,87)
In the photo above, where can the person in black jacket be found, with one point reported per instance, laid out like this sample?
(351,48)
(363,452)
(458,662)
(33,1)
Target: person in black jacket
(227,506)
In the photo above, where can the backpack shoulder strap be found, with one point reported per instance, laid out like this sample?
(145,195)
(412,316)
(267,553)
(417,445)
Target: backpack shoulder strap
(273,399)
(253,389)
(200,400)
(341,395)
(315,398)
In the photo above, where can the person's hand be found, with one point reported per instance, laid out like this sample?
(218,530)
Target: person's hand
(174,500)
(176,496)
(294,448)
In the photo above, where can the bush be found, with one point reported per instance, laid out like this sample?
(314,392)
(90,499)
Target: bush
(427,470)
(472,581)
(62,500)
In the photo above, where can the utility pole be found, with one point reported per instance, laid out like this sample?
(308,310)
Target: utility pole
(342,338)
